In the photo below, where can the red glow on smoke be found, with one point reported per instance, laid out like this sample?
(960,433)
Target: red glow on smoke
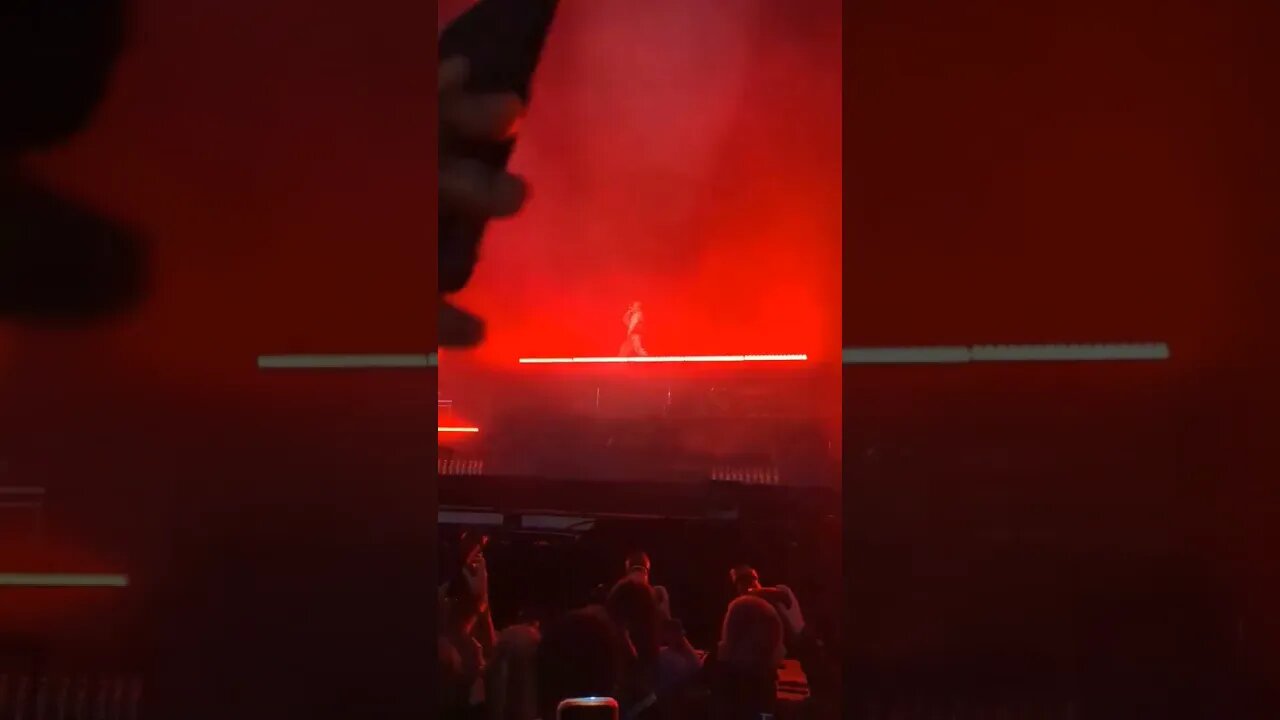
(686,155)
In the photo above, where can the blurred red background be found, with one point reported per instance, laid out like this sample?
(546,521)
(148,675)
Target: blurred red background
(1063,172)
(278,159)
(1050,173)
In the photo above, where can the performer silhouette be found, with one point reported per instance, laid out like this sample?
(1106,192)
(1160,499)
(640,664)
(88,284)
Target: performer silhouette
(633,319)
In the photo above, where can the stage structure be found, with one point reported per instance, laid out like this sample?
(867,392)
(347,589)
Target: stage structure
(752,419)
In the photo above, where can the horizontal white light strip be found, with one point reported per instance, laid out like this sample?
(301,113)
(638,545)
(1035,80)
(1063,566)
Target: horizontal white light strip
(666,359)
(457,429)
(1124,352)
(1069,353)
(52,580)
(556,522)
(476,518)
(21,490)
(1096,352)
(462,517)
(906,356)
(344,362)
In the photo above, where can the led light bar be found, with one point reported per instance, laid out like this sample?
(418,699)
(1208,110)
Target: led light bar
(1069,353)
(457,429)
(948,355)
(63,580)
(455,466)
(345,362)
(906,356)
(23,490)
(664,359)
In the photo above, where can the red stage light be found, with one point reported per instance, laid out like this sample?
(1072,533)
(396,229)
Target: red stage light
(665,359)
(457,429)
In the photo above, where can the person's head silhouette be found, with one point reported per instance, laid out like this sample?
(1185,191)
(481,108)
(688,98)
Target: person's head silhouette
(56,58)
(58,261)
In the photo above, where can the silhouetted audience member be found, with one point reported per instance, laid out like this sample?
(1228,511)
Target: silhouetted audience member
(579,656)
(468,187)
(742,673)
(677,660)
(634,612)
(660,661)
(59,261)
(803,643)
(746,581)
(511,688)
(639,567)
(629,648)
(451,681)
(678,664)
(467,624)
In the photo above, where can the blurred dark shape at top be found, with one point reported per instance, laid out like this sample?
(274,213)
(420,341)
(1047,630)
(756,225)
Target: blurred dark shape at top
(502,41)
(58,261)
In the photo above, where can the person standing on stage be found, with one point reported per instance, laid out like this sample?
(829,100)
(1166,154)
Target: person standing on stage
(634,320)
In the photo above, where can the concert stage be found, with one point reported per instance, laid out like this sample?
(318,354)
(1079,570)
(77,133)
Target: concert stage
(763,420)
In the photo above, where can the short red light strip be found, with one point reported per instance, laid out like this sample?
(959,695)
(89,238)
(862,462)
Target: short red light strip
(457,429)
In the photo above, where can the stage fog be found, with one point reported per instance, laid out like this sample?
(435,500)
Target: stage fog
(685,155)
